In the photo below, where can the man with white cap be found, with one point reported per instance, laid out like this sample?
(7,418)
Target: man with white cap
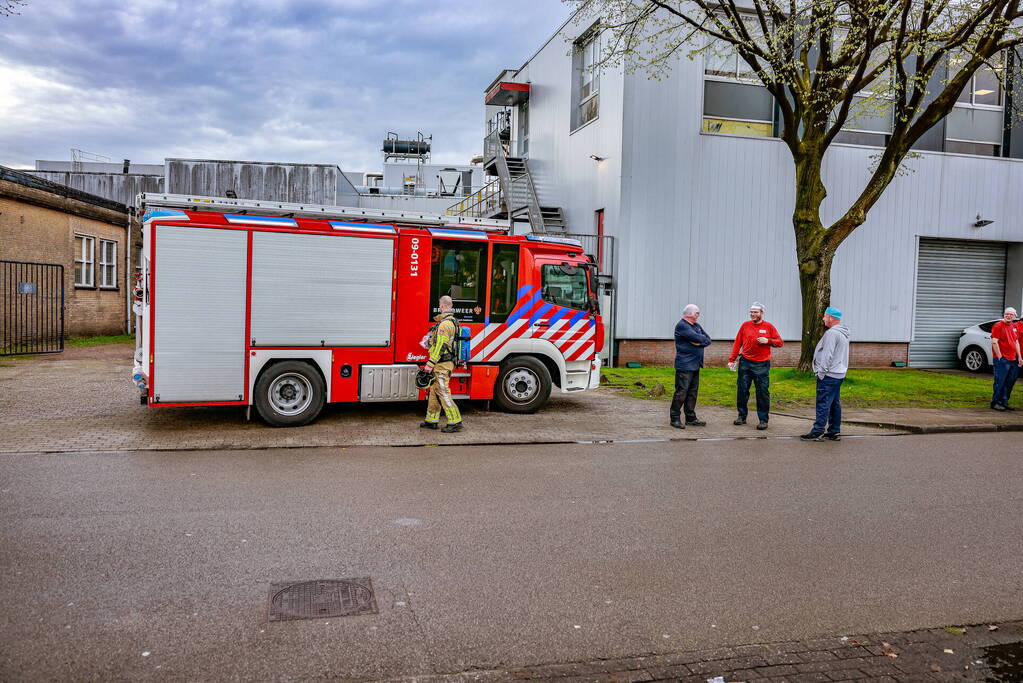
(751,356)
(1005,348)
(830,363)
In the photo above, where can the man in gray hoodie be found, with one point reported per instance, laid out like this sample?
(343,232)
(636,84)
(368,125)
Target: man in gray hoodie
(830,363)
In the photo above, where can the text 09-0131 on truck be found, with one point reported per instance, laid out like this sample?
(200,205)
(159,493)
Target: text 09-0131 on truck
(287,307)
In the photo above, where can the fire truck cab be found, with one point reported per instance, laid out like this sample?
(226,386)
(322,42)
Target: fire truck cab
(287,307)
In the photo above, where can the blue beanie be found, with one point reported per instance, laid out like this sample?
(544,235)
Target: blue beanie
(833,312)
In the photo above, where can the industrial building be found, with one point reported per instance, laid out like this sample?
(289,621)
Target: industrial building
(685,177)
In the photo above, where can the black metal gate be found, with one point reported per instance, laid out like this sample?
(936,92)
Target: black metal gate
(32,305)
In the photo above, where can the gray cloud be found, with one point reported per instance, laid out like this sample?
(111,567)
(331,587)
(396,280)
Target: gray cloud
(289,80)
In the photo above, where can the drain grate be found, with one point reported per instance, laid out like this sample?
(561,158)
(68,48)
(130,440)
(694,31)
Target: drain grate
(321,598)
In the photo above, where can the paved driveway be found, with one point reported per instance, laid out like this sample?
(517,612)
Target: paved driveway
(158,565)
(83,400)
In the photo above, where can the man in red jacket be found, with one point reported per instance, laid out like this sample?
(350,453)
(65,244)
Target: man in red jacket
(751,352)
(1005,348)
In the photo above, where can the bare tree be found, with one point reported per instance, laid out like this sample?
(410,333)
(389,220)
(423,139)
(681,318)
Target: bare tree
(825,63)
(11,7)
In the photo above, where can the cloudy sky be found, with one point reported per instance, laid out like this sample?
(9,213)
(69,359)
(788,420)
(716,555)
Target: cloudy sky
(273,80)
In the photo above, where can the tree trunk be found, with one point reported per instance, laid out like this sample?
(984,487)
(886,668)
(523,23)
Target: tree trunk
(815,287)
(812,252)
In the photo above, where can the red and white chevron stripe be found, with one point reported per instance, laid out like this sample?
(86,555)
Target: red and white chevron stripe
(574,342)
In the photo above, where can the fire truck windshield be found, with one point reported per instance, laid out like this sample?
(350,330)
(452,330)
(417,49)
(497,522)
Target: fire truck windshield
(566,285)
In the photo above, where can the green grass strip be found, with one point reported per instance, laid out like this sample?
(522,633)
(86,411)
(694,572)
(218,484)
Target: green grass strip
(76,342)
(895,388)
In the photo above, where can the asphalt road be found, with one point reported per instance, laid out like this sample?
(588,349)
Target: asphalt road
(159,564)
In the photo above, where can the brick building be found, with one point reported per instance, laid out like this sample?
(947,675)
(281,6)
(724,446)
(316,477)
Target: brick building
(47,223)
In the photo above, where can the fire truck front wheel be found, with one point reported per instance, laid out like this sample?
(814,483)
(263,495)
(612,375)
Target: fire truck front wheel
(523,385)
(290,394)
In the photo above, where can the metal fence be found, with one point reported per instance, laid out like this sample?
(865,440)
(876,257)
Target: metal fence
(32,304)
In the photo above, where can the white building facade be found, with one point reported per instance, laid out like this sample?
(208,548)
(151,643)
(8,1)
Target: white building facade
(685,173)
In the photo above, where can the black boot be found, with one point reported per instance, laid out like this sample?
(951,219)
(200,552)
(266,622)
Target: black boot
(427,425)
(449,428)
(677,423)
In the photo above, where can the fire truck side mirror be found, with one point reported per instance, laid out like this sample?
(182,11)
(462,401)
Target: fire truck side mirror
(592,305)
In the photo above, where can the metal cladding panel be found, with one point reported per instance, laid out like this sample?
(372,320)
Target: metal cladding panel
(280,182)
(321,290)
(119,187)
(388,383)
(199,303)
(958,284)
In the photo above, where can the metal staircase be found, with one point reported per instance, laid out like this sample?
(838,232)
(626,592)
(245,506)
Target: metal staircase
(518,198)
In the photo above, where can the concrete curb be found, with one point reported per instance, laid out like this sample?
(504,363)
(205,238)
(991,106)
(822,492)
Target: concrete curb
(925,429)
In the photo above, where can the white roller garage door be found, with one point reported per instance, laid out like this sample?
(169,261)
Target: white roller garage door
(958,283)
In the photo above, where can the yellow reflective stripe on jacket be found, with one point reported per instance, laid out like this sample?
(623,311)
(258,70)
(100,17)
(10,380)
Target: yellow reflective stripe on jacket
(442,340)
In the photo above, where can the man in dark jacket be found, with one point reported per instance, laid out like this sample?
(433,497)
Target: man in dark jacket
(690,340)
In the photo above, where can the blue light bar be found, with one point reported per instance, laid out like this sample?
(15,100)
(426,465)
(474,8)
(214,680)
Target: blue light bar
(261,220)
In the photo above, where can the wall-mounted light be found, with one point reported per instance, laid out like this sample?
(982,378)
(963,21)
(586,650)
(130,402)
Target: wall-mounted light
(596,158)
(981,222)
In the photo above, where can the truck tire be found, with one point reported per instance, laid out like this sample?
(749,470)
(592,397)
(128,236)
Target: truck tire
(974,359)
(523,385)
(290,394)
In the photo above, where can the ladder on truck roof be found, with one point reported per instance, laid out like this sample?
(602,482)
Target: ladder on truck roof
(148,200)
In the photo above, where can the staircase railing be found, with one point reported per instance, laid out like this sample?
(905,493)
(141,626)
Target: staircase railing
(480,204)
(520,193)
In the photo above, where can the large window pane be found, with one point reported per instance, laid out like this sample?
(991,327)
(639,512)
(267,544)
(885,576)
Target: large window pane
(870,115)
(976,125)
(711,125)
(585,91)
(565,286)
(857,138)
(504,281)
(589,109)
(987,88)
(457,271)
(978,148)
(719,60)
(737,101)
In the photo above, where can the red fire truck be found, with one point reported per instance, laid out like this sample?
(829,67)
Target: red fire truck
(286,307)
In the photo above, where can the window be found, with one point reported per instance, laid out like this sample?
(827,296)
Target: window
(870,121)
(107,264)
(976,124)
(565,285)
(504,281)
(524,129)
(587,88)
(85,261)
(734,102)
(984,89)
(457,269)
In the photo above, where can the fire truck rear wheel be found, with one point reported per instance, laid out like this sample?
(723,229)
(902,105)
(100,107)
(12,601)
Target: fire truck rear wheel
(290,394)
(523,385)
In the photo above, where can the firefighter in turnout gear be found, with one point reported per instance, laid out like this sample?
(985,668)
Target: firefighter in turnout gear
(441,364)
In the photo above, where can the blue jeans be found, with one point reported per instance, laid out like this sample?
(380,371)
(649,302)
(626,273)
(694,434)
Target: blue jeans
(829,406)
(757,373)
(1006,372)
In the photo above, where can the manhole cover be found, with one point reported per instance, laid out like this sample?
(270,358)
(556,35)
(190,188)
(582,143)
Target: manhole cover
(323,598)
